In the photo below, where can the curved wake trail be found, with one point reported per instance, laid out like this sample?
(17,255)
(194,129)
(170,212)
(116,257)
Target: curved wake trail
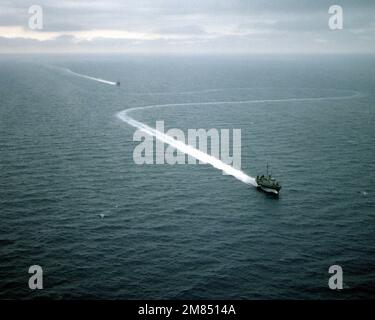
(197,154)
(187,149)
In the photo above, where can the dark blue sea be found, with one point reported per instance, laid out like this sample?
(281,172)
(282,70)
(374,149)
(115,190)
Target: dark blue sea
(73,201)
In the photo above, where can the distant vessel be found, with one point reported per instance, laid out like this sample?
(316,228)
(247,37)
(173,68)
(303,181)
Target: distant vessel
(268,184)
(118,83)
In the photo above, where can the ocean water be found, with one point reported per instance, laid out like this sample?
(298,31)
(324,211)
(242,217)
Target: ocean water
(187,231)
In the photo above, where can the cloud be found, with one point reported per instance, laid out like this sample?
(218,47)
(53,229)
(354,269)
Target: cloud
(194,26)
(183,29)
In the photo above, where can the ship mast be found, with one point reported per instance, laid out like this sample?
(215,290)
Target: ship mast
(267,168)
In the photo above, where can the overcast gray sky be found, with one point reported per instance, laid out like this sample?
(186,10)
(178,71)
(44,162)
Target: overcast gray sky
(191,27)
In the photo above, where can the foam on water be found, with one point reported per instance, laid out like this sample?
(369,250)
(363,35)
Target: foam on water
(187,149)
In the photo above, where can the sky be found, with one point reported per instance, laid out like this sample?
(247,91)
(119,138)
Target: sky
(187,27)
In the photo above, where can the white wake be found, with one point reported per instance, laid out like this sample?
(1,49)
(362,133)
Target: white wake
(187,149)
(197,154)
(90,78)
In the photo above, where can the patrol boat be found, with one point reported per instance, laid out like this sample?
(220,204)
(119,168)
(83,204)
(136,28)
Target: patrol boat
(267,183)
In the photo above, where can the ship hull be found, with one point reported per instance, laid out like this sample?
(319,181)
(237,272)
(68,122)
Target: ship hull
(268,190)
